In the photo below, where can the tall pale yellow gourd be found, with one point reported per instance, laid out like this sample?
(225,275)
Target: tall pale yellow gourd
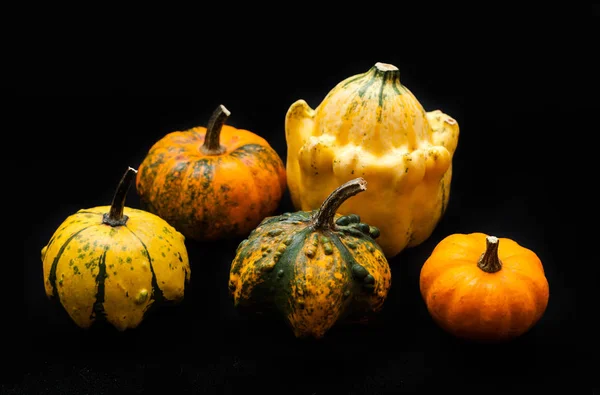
(371,126)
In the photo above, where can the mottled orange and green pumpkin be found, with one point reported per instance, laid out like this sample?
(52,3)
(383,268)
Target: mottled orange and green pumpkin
(314,269)
(212,183)
(112,263)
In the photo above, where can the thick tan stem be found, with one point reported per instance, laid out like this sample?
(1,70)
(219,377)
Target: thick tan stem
(323,219)
(489,261)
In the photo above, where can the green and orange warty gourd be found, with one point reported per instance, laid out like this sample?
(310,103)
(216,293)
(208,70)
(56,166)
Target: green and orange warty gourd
(484,288)
(113,263)
(212,183)
(370,125)
(314,269)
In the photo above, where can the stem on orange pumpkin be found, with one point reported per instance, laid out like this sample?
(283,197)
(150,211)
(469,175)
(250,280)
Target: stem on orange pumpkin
(323,219)
(115,216)
(212,139)
(489,261)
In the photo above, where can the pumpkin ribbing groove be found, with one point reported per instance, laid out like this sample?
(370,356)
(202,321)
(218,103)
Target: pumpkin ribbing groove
(157,293)
(397,88)
(363,89)
(289,255)
(237,155)
(383,82)
(98,308)
(185,177)
(345,253)
(52,275)
(531,285)
(158,185)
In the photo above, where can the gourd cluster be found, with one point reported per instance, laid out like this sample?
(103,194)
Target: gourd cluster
(369,172)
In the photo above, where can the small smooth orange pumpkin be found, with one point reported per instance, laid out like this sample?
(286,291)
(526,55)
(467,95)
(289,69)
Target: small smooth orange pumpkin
(484,288)
(212,183)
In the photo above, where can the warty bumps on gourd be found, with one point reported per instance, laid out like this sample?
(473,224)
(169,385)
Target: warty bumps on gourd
(371,126)
(315,269)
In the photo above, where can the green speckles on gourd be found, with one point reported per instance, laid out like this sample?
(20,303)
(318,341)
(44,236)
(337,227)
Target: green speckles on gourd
(370,247)
(288,240)
(280,273)
(351,245)
(281,248)
(264,247)
(142,296)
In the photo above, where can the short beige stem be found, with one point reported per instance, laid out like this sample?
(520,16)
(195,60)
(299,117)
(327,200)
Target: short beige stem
(489,261)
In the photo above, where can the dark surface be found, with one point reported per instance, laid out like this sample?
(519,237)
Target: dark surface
(101,114)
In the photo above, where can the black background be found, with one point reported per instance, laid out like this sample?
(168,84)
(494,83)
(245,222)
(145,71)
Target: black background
(87,107)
